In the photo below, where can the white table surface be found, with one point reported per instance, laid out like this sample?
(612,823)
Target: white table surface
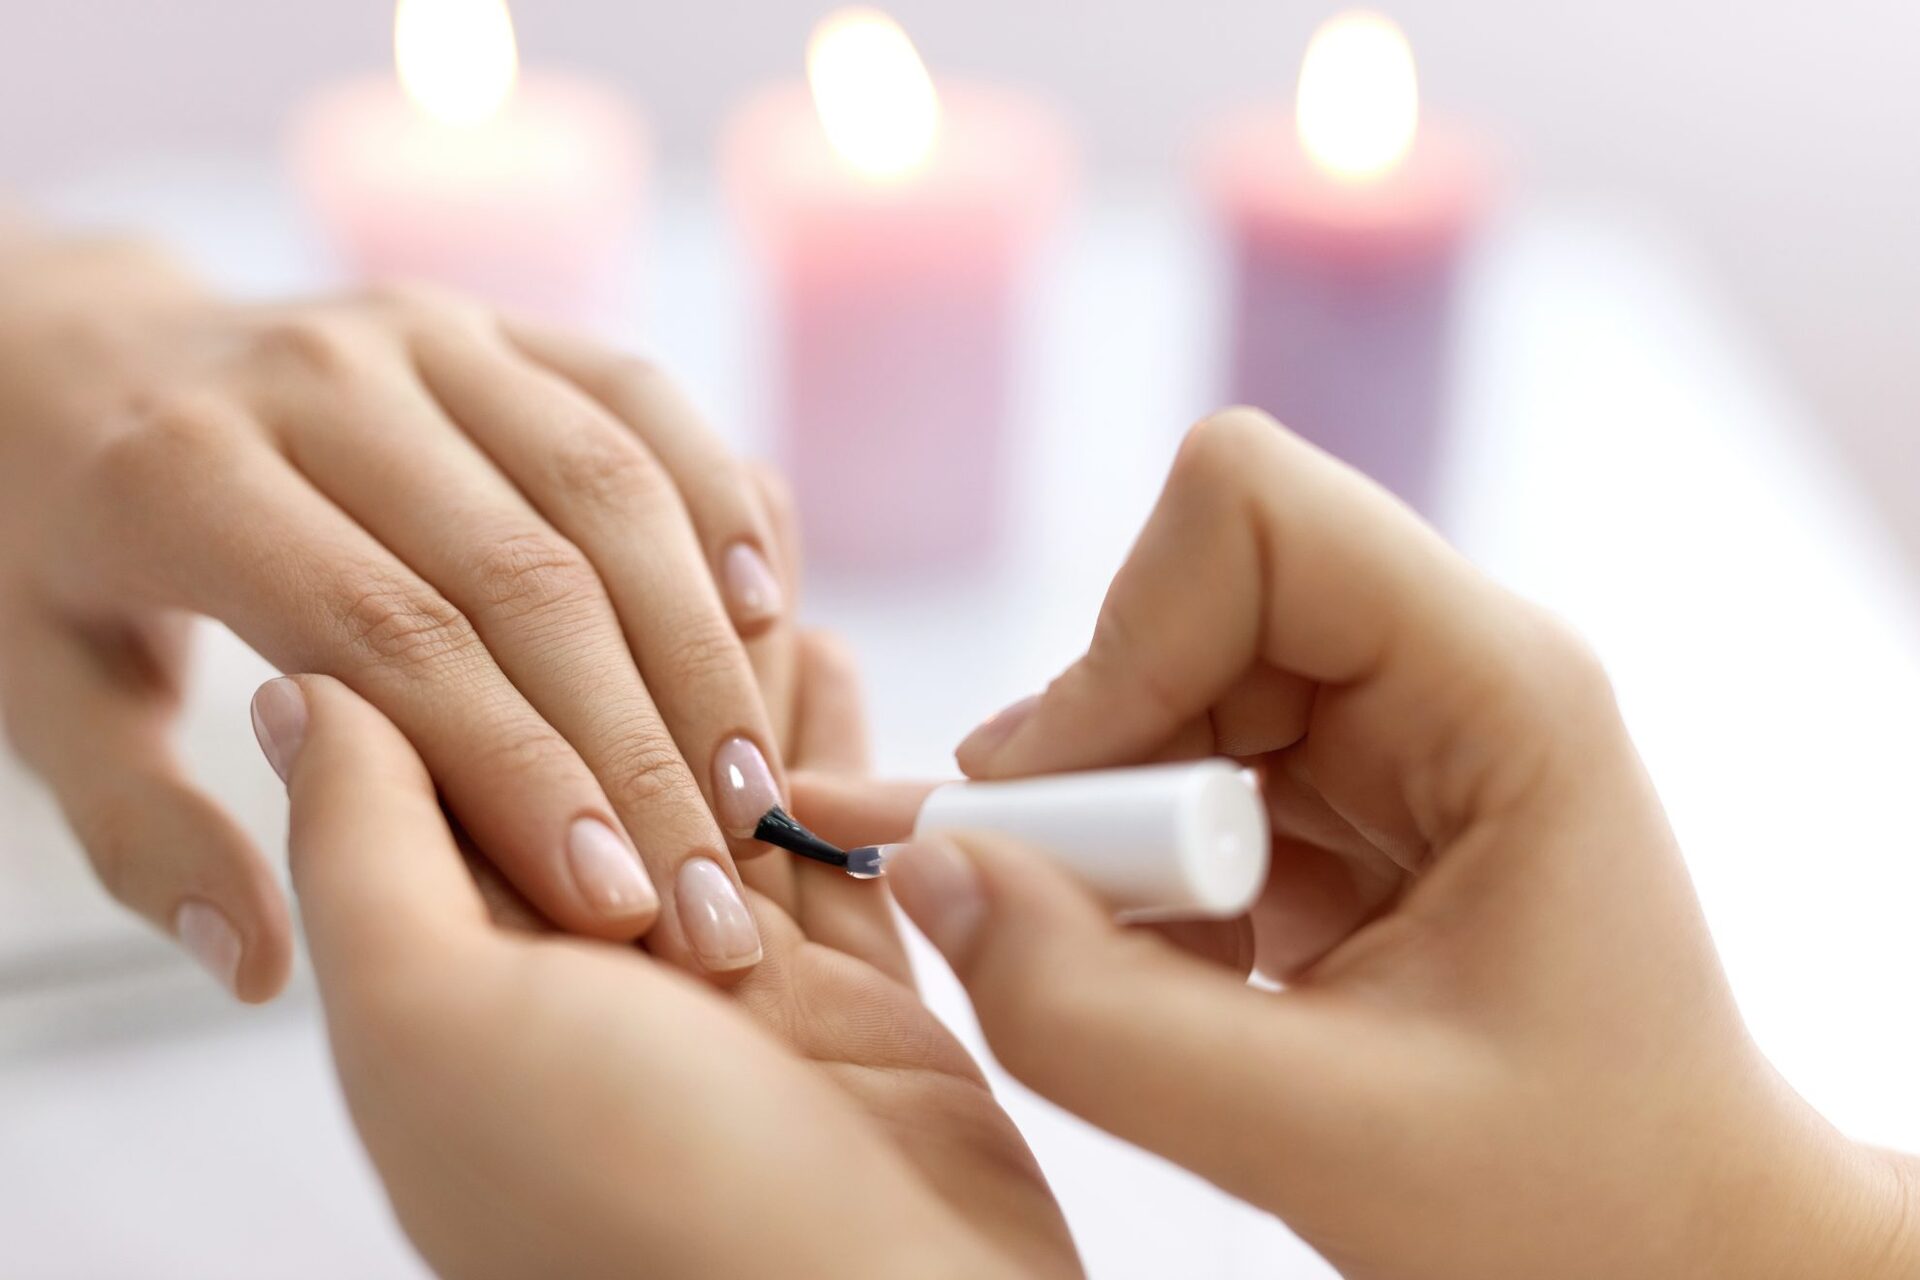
(1619,454)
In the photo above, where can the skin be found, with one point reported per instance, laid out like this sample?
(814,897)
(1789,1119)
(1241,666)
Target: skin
(1505,1046)
(816,1119)
(410,494)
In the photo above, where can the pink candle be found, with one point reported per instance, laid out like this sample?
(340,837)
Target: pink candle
(896,219)
(1346,229)
(522,191)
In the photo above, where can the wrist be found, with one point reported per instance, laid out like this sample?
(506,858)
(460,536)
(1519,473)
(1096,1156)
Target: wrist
(1827,1208)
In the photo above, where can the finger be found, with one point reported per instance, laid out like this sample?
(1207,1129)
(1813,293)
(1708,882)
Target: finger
(381,883)
(539,607)
(91,711)
(720,496)
(775,652)
(1261,549)
(835,909)
(851,810)
(311,590)
(604,490)
(1260,1093)
(734,509)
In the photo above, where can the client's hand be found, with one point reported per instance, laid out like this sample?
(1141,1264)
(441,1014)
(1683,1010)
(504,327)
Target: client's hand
(507,540)
(1505,1047)
(544,1105)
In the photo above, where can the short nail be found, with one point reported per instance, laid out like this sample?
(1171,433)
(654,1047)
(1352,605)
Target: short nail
(714,916)
(608,870)
(743,788)
(940,891)
(753,593)
(210,940)
(994,732)
(280,722)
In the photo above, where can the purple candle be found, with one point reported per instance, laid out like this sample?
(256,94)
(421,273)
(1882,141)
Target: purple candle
(896,218)
(1346,218)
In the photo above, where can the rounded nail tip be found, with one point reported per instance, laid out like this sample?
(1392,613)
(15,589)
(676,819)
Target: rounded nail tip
(206,935)
(734,963)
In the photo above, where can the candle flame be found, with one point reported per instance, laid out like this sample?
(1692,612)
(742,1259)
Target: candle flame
(873,94)
(1359,105)
(456,58)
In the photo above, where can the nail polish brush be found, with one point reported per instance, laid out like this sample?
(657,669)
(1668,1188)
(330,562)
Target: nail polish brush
(1171,841)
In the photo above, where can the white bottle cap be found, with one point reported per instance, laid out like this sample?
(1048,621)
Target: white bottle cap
(1159,842)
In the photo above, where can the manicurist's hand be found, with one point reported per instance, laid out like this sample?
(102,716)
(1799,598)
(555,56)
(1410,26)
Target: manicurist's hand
(1504,1047)
(540,1105)
(528,552)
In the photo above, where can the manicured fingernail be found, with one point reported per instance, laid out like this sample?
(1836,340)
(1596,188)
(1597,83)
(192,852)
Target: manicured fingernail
(753,593)
(280,722)
(608,870)
(209,939)
(993,733)
(743,788)
(940,891)
(718,925)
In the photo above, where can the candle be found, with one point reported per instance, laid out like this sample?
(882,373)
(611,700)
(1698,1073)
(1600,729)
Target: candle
(522,190)
(1346,218)
(896,218)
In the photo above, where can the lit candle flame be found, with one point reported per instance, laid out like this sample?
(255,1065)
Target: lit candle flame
(456,58)
(1359,105)
(875,99)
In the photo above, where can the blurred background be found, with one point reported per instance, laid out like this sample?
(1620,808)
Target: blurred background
(1782,140)
(1678,406)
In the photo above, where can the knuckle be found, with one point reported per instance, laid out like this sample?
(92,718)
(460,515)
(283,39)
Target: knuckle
(534,751)
(400,624)
(649,773)
(1219,445)
(1558,666)
(634,378)
(608,468)
(415,302)
(168,438)
(705,652)
(1117,657)
(527,574)
(311,342)
(108,834)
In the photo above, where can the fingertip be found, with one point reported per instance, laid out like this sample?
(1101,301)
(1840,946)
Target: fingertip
(936,884)
(980,751)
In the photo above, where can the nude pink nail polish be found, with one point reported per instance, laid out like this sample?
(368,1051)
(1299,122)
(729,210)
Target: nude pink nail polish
(753,592)
(743,787)
(714,916)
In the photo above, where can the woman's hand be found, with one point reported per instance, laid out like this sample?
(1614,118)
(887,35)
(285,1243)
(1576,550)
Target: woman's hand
(1505,1046)
(544,1105)
(527,552)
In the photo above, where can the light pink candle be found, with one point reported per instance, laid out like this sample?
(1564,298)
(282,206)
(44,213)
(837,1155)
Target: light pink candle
(524,191)
(1346,218)
(896,221)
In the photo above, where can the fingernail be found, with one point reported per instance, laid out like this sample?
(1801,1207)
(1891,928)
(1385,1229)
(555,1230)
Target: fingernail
(743,787)
(206,936)
(940,891)
(714,916)
(280,722)
(753,593)
(993,733)
(608,870)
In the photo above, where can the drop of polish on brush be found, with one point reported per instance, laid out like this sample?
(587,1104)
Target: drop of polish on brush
(869,861)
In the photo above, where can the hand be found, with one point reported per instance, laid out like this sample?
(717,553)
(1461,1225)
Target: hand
(507,540)
(815,1120)
(1505,1046)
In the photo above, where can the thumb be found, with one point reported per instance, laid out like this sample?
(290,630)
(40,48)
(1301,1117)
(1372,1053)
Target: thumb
(1124,1029)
